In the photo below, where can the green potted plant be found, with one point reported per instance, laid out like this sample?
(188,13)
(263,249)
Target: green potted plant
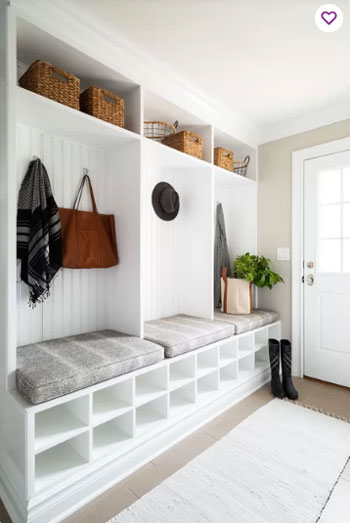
(256,269)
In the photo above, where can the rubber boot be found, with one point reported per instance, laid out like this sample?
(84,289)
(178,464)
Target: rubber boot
(286,353)
(274,352)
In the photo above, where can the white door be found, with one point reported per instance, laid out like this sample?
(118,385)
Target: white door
(327,268)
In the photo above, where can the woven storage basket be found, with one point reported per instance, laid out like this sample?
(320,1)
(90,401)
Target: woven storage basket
(223,158)
(158,130)
(102,104)
(241,167)
(52,82)
(187,142)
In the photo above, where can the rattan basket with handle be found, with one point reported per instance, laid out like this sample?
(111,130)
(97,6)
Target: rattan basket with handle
(158,130)
(187,142)
(103,104)
(223,158)
(54,83)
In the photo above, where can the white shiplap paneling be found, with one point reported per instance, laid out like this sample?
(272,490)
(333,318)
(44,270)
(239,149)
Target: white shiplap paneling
(77,301)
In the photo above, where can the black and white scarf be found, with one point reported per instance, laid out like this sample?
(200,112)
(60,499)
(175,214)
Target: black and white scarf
(39,241)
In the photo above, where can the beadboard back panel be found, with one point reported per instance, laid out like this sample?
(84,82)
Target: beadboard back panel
(78,297)
(177,255)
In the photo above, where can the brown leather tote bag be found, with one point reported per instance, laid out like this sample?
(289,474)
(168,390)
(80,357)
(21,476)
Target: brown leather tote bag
(88,238)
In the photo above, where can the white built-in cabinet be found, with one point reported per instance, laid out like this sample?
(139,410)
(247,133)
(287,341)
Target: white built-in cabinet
(85,439)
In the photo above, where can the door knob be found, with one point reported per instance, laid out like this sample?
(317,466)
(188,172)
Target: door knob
(310,280)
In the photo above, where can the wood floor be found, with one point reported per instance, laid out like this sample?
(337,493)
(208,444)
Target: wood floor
(325,396)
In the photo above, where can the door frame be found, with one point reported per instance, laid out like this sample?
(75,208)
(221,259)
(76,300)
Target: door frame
(297,291)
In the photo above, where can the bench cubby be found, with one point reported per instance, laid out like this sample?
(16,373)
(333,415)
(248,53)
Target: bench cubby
(61,462)
(113,437)
(246,343)
(228,374)
(207,386)
(182,372)
(246,366)
(207,361)
(183,399)
(262,358)
(228,352)
(61,423)
(112,401)
(150,415)
(151,385)
(261,339)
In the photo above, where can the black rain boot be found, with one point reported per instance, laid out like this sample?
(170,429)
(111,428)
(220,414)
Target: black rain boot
(274,352)
(286,352)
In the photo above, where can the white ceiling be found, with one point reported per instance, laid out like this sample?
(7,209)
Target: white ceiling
(265,59)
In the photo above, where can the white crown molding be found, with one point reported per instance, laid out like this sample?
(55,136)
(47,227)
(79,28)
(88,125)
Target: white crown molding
(314,120)
(66,21)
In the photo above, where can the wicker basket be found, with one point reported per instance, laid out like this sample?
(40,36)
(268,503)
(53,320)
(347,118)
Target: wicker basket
(187,142)
(158,130)
(223,158)
(241,167)
(102,104)
(54,83)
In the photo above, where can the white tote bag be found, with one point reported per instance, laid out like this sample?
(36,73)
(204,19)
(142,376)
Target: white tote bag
(236,295)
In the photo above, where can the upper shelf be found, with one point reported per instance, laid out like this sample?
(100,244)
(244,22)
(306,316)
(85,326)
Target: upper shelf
(225,178)
(169,158)
(41,113)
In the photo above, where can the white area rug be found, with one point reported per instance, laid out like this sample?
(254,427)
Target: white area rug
(278,466)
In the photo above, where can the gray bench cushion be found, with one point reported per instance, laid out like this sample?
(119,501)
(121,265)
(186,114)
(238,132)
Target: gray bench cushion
(247,322)
(181,333)
(54,368)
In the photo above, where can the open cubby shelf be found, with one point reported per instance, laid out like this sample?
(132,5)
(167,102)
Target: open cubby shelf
(127,410)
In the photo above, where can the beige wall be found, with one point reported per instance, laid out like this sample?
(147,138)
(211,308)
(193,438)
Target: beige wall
(274,208)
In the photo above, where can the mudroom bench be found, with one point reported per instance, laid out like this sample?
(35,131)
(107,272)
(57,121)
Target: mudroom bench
(80,444)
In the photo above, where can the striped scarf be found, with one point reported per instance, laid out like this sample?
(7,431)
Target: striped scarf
(39,244)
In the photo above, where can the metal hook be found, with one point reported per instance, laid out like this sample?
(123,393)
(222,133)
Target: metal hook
(85,171)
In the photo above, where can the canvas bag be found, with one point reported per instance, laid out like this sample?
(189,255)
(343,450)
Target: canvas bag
(236,295)
(88,238)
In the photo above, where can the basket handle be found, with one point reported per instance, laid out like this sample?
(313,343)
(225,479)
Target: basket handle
(247,159)
(176,123)
(109,99)
(59,74)
(194,139)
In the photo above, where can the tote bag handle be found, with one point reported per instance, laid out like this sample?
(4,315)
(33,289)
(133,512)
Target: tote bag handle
(77,200)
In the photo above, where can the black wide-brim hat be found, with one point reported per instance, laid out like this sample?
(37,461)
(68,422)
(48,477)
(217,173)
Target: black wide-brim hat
(165,201)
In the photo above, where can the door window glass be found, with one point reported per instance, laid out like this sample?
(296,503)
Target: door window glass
(333,222)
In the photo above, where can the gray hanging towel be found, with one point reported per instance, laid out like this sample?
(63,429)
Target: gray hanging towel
(221,254)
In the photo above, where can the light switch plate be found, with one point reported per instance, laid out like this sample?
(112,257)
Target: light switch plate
(283,254)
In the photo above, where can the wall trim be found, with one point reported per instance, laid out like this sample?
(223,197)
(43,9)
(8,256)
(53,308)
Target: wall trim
(298,161)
